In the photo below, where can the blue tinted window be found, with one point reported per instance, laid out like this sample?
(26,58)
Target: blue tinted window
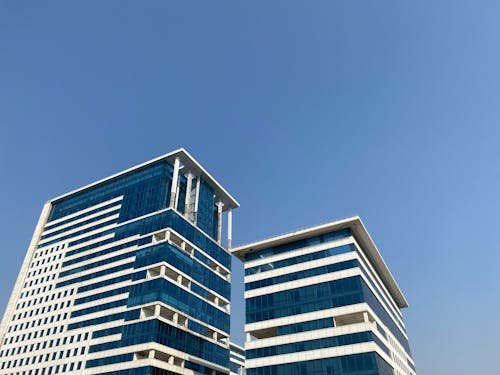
(305,326)
(166,334)
(310,241)
(322,296)
(300,346)
(300,259)
(206,218)
(356,364)
(166,291)
(302,274)
(145,190)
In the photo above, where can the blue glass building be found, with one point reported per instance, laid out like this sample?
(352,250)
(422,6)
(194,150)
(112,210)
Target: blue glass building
(321,301)
(126,276)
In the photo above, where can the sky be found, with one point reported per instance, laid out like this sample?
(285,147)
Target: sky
(307,112)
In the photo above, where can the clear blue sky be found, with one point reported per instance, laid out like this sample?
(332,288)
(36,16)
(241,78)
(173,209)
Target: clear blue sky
(306,111)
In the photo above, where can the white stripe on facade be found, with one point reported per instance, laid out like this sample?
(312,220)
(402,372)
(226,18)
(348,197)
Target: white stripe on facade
(78,229)
(337,275)
(100,248)
(311,281)
(310,335)
(101,301)
(81,212)
(97,269)
(85,218)
(72,239)
(300,251)
(320,279)
(88,243)
(306,265)
(131,249)
(301,266)
(312,355)
(305,317)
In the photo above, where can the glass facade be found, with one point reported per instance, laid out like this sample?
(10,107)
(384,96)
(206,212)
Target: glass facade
(121,261)
(356,364)
(128,276)
(320,302)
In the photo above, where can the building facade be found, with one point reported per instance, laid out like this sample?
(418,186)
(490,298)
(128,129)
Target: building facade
(321,301)
(236,359)
(126,276)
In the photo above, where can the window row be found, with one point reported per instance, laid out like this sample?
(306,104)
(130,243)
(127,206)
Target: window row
(41,262)
(34,335)
(43,279)
(39,290)
(39,322)
(58,369)
(44,299)
(45,344)
(49,251)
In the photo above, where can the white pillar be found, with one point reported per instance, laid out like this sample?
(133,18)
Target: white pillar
(175,180)
(219,222)
(187,203)
(196,200)
(177,193)
(229,228)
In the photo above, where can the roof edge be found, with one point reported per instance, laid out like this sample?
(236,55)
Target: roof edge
(230,201)
(360,234)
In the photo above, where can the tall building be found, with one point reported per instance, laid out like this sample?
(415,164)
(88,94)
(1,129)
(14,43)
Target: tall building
(126,276)
(321,301)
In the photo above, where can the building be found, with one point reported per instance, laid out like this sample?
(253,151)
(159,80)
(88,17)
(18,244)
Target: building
(321,301)
(237,359)
(126,276)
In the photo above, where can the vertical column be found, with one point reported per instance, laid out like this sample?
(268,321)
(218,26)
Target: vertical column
(175,181)
(229,228)
(187,203)
(197,199)
(219,222)
(177,194)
